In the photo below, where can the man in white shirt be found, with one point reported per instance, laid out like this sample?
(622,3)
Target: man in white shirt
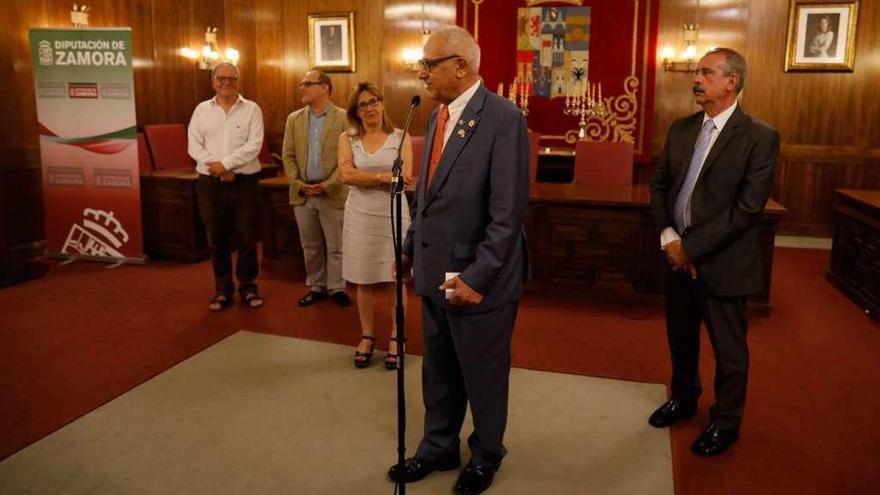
(707,198)
(225,137)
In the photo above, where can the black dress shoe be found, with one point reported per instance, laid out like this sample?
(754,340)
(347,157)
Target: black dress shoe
(714,441)
(341,298)
(416,467)
(670,412)
(311,298)
(476,478)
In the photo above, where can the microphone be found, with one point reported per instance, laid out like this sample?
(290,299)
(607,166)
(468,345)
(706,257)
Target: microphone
(397,168)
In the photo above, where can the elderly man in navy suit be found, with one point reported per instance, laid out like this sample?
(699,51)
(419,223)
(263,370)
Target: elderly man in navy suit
(468,251)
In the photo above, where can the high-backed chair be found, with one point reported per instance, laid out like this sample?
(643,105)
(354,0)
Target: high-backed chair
(270,163)
(418,147)
(168,146)
(266,155)
(145,164)
(603,164)
(534,140)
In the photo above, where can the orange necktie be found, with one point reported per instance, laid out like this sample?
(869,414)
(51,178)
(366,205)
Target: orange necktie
(437,147)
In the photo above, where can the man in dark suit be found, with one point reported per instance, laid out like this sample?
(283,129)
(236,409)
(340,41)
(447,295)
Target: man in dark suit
(707,198)
(467,247)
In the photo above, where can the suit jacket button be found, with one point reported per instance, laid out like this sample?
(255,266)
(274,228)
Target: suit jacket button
(424,244)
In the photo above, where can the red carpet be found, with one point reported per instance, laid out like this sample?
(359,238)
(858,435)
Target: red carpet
(85,334)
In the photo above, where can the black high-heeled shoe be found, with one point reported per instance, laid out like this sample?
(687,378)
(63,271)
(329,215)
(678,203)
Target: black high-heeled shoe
(368,356)
(391,358)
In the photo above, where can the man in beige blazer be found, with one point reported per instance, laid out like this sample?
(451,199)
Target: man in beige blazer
(317,193)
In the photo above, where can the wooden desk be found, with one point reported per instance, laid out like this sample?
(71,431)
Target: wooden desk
(579,237)
(585,236)
(855,252)
(282,251)
(170,215)
(555,165)
(172,226)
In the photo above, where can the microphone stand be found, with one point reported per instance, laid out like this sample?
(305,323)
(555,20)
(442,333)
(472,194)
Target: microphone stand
(397,187)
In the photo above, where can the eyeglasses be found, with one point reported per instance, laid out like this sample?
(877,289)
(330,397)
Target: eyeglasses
(428,64)
(371,103)
(226,79)
(308,84)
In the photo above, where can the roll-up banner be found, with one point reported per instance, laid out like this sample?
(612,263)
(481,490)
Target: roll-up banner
(84,87)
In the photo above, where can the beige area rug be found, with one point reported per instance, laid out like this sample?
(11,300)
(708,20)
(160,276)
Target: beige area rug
(262,414)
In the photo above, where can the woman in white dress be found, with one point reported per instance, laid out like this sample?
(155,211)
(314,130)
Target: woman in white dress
(366,154)
(822,40)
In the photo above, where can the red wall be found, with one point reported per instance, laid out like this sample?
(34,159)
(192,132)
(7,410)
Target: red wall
(611,56)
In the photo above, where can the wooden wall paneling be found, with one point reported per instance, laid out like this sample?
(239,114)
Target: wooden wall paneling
(867,72)
(400,83)
(140,19)
(21,206)
(368,43)
(273,34)
(673,97)
(723,23)
(256,29)
(268,68)
(58,14)
(240,33)
(178,85)
(830,108)
(807,176)
(829,121)
(18,122)
(295,50)
(821,108)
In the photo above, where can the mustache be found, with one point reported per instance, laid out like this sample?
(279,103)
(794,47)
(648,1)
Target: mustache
(698,89)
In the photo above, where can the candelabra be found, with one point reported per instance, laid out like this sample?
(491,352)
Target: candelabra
(585,101)
(520,89)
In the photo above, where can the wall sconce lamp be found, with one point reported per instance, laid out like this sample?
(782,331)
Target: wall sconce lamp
(210,56)
(687,60)
(79,15)
(412,55)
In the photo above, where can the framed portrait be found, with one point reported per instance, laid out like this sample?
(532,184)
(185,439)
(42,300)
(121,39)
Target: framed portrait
(821,35)
(331,42)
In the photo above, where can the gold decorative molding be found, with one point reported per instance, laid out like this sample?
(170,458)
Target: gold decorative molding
(579,3)
(625,111)
(618,123)
(477,18)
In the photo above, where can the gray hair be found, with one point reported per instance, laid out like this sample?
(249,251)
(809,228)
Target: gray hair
(225,64)
(734,63)
(460,42)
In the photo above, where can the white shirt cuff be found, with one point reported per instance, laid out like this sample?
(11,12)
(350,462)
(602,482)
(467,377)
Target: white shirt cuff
(668,235)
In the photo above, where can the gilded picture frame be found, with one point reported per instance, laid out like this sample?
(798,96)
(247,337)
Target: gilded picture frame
(822,35)
(332,42)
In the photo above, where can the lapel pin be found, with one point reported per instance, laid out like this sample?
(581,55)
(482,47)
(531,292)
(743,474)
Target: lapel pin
(472,123)
(461,122)
(461,133)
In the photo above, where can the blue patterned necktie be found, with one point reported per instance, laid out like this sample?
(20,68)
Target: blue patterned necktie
(683,200)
